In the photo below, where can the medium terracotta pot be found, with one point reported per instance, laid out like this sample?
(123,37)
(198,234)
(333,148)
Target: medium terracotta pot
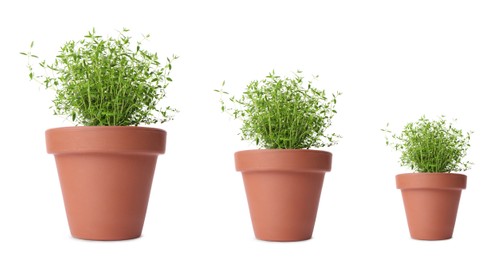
(283,189)
(431,203)
(106,175)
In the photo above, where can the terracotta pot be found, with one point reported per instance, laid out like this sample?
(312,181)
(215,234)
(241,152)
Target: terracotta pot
(431,203)
(283,190)
(106,174)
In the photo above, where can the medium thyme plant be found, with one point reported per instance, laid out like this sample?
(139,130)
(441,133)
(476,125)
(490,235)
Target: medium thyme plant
(431,146)
(284,113)
(106,81)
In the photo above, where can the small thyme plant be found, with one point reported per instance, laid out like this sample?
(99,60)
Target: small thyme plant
(284,113)
(106,81)
(431,146)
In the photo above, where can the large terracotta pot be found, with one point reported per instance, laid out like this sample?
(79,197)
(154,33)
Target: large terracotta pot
(283,189)
(106,175)
(431,203)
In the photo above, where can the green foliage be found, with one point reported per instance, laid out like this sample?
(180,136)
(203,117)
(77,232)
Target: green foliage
(431,146)
(284,113)
(106,81)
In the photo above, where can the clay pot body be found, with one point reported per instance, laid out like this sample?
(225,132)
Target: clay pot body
(106,175)
(431,203)
(283,189)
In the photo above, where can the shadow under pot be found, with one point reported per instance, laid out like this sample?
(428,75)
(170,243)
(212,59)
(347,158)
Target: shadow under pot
(283,188)
(431,203)
(106,174)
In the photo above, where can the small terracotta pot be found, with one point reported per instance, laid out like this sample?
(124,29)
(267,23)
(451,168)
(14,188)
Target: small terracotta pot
(283,189)
(431,203)
(106,175)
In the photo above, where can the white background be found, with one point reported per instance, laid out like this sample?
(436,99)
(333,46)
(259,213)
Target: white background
(393,60)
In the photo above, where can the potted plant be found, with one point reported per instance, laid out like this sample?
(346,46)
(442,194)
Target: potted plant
(434,149)
(107,87)
(286,116)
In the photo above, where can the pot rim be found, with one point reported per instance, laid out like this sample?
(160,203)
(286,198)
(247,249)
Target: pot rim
(105,139)
(264,150)
(86,128)
(442,173)
(444,181)
(287,160)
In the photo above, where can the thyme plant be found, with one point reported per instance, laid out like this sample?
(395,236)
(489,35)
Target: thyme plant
(431,146)
(284,113)
(106,81)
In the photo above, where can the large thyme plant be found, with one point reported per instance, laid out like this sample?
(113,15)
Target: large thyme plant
(106,81)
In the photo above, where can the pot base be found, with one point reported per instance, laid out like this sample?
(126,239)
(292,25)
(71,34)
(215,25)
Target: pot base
(283,205)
